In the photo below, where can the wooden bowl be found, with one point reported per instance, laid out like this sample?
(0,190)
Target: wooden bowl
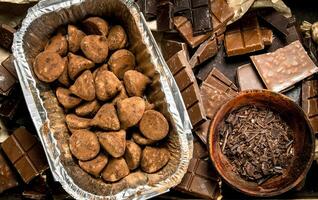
(304,144)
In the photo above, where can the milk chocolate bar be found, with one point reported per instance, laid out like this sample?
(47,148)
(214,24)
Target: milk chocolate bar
(25,153)
(201,179)
(247,78)
(243,37)
(284,67)
(310,101)
(171,47)
(188,87)
(206,50)
(6,36)
(184,27)
(164,16)
(7,177)
(275,20)
(9,66)
(197,11)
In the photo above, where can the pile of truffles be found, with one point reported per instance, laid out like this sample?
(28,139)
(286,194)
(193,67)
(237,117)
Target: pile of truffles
(114,130)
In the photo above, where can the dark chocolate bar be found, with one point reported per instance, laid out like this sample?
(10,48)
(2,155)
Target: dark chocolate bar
(6,36)
(310,101)
(206,50)
(201,179)
(164,16)
(7,177)
(185,79)
(283,68)
(248,78)
(25,153)
(198,12)
(243,37)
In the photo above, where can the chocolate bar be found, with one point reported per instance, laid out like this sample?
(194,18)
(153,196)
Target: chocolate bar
(164,16)
(9,66)
(284,67)
(7,81)
(275,20)
(206,50)
(171,47)
(198,12)
(310,101)
(215,91)
(243,37)
(6,36)
(188,87)
(184,27)
(201,179)
(7,177)
(247,78)
(25,153)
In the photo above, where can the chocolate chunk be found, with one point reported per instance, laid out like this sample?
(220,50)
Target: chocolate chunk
(6,36)
(275,20)
(7,177)
(310,101)
(203,130)
(164,16)
(171,47)
(9,65)
(247,78)
(25,153)
(221,13)
(188,87)
(284,67)
(243,37)
(150,9)
(267,36)
(9,106)
(7,81)
(205,51)
(184,27)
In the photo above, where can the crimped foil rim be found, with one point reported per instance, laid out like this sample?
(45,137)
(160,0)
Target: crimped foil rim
(40,118)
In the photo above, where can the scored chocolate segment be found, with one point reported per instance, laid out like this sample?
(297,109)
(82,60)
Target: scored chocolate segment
(283,68)
(247,78)
(7,177)
(243,37)
(25,153)
(171,47)
(310,101)
(185,79)
(6,36)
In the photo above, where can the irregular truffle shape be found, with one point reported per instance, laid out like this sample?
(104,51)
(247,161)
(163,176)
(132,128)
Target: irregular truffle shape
(115,170)
(95,166)
(121,61)
(48,66)
(154,158)
(64,96)
(106,118)
(96,26)
(84,145)
(154,125)
(130,111)
(64,78)
(77,64)
(75,37)
(141,140)
(132,155)
(88,108)
(117,38)
(135,83)
(107,85)
(113,142)
(95,48)
(75,122)
(58,44)
(84,86)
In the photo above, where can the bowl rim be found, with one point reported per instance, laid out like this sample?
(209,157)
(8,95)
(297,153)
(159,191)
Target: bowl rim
(296,182)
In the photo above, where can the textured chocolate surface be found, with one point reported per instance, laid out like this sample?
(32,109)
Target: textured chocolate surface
(247,78)
(284,67)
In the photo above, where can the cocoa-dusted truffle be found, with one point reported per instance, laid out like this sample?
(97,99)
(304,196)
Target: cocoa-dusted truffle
(130,111)
(65,97)
(84,86)
(95,166)
(135,83)
(154,125)
(113,142)
(77,64)
(107,85)
(75,37)
(76,122)
(96,26)
(154,158)
(58,44)
(121,61)
(115,170)
(95,48)
(106,118)
(132,155)
(117,38)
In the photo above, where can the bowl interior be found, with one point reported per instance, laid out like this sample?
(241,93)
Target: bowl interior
(293,115)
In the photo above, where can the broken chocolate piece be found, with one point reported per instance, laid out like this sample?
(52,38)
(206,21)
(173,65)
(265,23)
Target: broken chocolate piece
(164,16)
(9,65)
(206,50)
(283,68)
(267,36)
(275,20)
(310,101)
(7,81)
(25,153)
(247,78)
(6,36)
(171,47)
